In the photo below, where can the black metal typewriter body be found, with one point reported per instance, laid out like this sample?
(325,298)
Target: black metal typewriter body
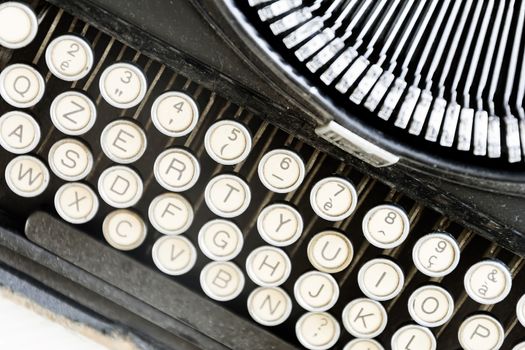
(262,134)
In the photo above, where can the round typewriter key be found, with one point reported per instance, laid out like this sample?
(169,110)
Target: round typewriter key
(21,85)
(436,254)
(220,240)
(333,198)
(228,142)
(520,310)
(269,306)
(488,281)
(124,229)
(174,255)
(26,176)
(330,251)
(386,226)
(69,57)
(381,279)
(176,170)
(431,306)
(170,213)
(281,171)
(76,203)
(317,330)
(413,337)
(268,266)
(174,114)
(481,332)
(227,195)
(123,85)
(73,113)
(280,224)
(520,346)
(222,280)
(19,132)
(316,291)
(18,25)
(70,159)
(364,318)
(120,186)
(363,344)
(123,141)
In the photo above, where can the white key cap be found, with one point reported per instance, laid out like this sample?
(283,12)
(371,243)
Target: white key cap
(222,280)
(174,255)
(26,176)
(364,318)
(381,279)
(481,332)
(73,113)
(333,198)
(123,141)
(69,57)
(413,337)
(124,229)
(520,310)
(488,281)
(174,114)
(120,186)
(280,224)
(176,169)
(21,85)
(363,344)
(330,251)
(76,202)
(281,171)
(220,240)
(436,254)
(316,291)
(431,306)
(227,195)
(170,213)
(269,306)
(520,346)
(18,25)
(123,85)
(268,266)
(317,330)
(19,132)
(386,226)
(70,159)
(228,142)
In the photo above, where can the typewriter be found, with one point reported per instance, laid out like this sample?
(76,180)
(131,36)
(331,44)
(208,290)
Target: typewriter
(270,174)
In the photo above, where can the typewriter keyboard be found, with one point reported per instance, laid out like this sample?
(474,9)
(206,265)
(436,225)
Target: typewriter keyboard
(198,188)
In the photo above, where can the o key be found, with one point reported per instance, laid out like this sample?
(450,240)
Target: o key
(73,113)
(481,332)
(21,85)
(228,142)
(330,251)
(488,281)
(380,279)
(19,132)
(364,318)
(269,306)
(281,171)
(123,85)
(413,337)
(124,229)
(174,114)
(18,25)
(174,255)
(69,57)
(431,306)
(333,198)
(317,330)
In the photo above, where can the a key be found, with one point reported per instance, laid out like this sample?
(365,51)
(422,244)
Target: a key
(19,132)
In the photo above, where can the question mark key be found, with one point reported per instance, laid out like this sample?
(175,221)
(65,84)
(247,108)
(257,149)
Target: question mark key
(317,330)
